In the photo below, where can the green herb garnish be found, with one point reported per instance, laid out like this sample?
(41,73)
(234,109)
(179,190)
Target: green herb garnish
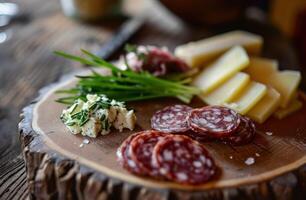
(122,85)
(130,48)
(79,117)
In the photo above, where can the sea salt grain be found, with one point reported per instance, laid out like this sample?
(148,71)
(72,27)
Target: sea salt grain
(231,157)
(249,161)
(85,141)
(269,133)
(257,154)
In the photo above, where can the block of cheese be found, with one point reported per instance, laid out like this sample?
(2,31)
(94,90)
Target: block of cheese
(294,106)
(228,90)
(221,69)
(285,82)
(203,51)
(248,98)
(266,106)
(260,68)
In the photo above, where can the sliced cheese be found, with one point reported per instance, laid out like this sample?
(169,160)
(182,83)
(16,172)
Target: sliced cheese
(294,106)
(266,106)
(228,90)
(249,97)
(285,82)
(260,68)
(203,51)
(222,69)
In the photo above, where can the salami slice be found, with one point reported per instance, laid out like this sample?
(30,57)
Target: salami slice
(244,134)
(141,151)
(171,119)
(198,137)
(124,157)
(215,121)
(183,160)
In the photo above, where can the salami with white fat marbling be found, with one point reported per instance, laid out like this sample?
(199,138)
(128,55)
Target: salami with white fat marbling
(167,153)
(124,156)
(183,160)
(203,138)
(141,149)
(214,121)
(171,119)
(244,133)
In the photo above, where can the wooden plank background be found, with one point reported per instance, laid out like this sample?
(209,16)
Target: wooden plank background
(27,63)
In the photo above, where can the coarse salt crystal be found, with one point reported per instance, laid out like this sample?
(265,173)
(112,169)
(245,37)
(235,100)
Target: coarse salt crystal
(85,141)
(269,133)
(249,161)
(231,157)
(257,154)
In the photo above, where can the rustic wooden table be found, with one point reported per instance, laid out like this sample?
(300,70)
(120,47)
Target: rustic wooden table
(27,64)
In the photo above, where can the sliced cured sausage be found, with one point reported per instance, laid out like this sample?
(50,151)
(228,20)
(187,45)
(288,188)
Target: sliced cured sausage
(171,119)
(124,156)
(141,151)
(183,160)
(244,134)
(215,121)
(198,137)
(157,61)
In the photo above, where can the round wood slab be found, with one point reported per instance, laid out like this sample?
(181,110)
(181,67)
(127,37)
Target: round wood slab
(57,167)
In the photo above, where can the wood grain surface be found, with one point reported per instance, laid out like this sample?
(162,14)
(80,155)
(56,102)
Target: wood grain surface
(27,64)
(282,152)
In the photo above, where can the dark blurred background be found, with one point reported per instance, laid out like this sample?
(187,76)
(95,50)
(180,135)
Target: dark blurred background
(287,16)
(31,30)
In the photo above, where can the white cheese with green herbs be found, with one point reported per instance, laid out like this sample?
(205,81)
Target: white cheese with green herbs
(97,115)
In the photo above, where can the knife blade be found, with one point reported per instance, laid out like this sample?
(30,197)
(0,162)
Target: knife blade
(123,35)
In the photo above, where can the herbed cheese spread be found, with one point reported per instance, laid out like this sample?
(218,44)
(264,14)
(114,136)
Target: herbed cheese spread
(97,115)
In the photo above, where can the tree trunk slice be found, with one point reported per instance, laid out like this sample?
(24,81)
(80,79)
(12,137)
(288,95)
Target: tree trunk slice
(58,168)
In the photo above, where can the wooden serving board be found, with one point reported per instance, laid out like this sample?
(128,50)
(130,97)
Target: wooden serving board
(58,167)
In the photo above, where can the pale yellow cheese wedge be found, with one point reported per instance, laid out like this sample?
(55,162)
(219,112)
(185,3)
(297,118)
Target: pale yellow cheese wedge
(260,68)
(248,98)
(221,70)
(266,106)
(203,51)
(285,82)
(294,106)
(228,90)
